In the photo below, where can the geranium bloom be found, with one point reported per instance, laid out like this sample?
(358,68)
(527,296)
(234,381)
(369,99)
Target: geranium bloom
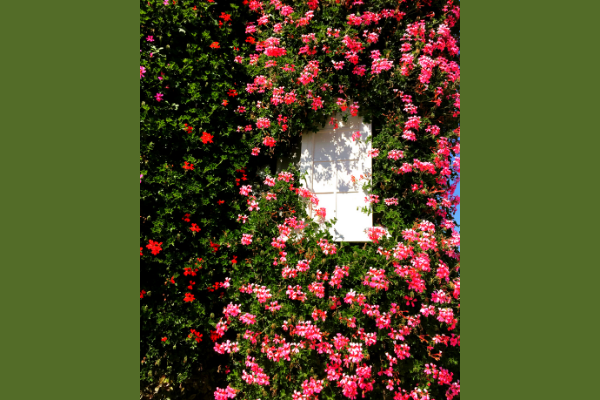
(142,72)
(188,166)
(326,247)
(246,239)
(359,70)
(395,154)
(255,151)
(154,247)
(372,199)
(373,153)
(159,96)
(375,233)
(402,351)
(248,319)
(195,228)
(391,201)
(245,190)
(206,137)
(214,45)
(269,141)
(150,39)
(321,212)
(269,181)
(231,310)
(285,176)
(295,293)
(376,279)
(252,204)
(189,297)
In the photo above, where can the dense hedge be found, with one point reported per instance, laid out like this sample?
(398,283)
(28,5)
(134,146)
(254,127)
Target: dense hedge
(241,294)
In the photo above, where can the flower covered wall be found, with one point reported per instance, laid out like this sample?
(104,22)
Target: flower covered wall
(243,295)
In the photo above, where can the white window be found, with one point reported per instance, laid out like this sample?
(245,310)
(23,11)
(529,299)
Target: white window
(331,157)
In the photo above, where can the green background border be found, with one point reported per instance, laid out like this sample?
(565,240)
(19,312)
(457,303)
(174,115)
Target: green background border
(70,222)
(530,98)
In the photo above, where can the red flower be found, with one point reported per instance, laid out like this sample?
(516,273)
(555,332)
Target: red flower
(187,128)
(186,166)
(141,254)
(219,202)
(234,261)
(189,297)
(172,280)
(225,17)
(197,334)
(214,336)
(154,247)
(186,218)
(206,137)
(195,8)
(225,102)
(195,228)
(232,93)
(250,40)
(163,339)
(188,271)
(142,293)
(215,45)
(214,246)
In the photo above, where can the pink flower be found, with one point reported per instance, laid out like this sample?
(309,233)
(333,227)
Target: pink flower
(285,176)
(359,70)
(322,212)
(356,136)
(248,319)
(269,181)
(338,65)
(142,72)
(246,239)
(245,190)
(224,394)
(372,199)
(150,39)
(317,103)
(159,96)
(263,123)
(409,135)
(375,233)
(373,153)
(269,141)
(395,154)
(255,151)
